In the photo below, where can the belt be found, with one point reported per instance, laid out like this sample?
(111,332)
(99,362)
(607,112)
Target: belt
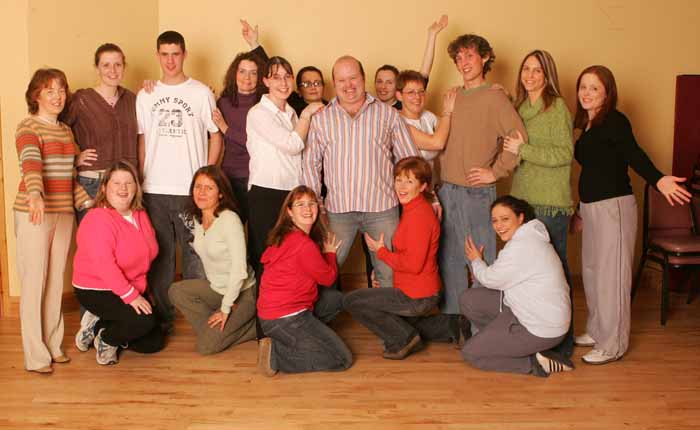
(92,174)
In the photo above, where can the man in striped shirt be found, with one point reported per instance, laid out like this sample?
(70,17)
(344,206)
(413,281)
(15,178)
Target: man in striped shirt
(356,140)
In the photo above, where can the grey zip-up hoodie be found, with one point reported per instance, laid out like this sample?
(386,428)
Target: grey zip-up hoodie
(530,275)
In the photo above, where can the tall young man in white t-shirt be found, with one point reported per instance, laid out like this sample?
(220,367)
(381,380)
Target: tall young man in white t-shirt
(173,121)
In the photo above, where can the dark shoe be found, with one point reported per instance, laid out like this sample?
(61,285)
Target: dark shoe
(265,357)
(465,331)
(414,345)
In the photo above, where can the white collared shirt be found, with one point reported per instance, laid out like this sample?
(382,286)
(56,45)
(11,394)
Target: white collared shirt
(274,147)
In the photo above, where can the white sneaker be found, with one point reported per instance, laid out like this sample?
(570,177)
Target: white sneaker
(106,353)
(584,340)
(86,334)
(550,365)
(598,356)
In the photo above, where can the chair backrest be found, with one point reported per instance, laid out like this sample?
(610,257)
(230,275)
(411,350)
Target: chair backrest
(664,218)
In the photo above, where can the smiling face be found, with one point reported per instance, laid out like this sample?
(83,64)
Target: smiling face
(51,99)
(171,58)
(206,193)
(407,187)
(246,77)
(348,82)
(279,83)
(311,89)
(591,94)
(110,68)
(413,99)
(532,76)
(385,86)
(505,222)
(120,191)
(471,66)
(304,212)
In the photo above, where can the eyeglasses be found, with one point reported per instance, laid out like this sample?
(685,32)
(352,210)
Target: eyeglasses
(414,93)
(304,204)
(309,84)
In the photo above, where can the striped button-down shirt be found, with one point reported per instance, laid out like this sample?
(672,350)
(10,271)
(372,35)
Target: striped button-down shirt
(357,155)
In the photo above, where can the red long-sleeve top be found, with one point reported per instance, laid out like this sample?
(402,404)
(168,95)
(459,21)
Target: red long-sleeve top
(415,244)
(292,272)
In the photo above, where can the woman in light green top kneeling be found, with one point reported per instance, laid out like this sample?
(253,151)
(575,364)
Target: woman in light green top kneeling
(220,308)
(543,176)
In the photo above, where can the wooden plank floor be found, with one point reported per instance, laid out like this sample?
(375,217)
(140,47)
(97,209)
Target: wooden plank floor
(655,386)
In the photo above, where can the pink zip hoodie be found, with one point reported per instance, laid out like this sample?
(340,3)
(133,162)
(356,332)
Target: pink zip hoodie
(114,255)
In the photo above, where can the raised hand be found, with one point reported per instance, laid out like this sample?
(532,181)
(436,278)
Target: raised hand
(250,34)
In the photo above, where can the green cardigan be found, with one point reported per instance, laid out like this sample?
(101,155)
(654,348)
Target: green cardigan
(543,177)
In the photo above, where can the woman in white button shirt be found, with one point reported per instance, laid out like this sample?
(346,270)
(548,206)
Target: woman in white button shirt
(275,142)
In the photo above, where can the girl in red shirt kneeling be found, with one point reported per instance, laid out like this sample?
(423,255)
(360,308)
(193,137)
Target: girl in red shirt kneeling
(292,308)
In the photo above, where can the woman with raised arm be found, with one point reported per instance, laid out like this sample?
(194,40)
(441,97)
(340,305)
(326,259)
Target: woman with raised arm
(220,308)
(524,309)
(294,302)
(543,176)
(44,208)
(608,211)
(103,119)
(386,77)
(243,88)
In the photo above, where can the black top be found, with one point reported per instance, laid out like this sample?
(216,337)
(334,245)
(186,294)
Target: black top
(604,153)
(298,103)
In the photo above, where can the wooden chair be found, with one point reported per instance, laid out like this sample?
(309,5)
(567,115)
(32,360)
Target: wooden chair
(669,239)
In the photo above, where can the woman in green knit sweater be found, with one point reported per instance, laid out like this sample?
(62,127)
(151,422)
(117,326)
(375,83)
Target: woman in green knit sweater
(543,176)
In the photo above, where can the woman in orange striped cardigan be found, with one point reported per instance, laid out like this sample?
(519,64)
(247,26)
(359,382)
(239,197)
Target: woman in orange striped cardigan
(43,212)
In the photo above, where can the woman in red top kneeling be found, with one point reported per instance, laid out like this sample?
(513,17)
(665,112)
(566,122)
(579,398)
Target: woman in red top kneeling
(399,315)
(292,308)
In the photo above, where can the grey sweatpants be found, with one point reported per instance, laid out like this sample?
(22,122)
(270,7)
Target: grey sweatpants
(502,344)
(197,301)
(609,232)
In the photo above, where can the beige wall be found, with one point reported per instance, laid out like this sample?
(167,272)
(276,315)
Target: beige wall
(645,43)
(63,34)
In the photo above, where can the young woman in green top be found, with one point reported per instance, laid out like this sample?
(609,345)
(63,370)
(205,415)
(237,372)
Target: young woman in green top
(543,176)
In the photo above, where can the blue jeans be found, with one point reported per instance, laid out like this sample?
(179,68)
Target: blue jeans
(304,343)
(91,186)
(558,229)
(465,212)
(346,225)
(397,318)
(166,213)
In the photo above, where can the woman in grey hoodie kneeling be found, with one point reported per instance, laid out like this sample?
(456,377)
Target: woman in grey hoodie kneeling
(524,309)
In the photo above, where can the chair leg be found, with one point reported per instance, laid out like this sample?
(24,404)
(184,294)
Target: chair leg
(664,290)
(638,276)
(694,278)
